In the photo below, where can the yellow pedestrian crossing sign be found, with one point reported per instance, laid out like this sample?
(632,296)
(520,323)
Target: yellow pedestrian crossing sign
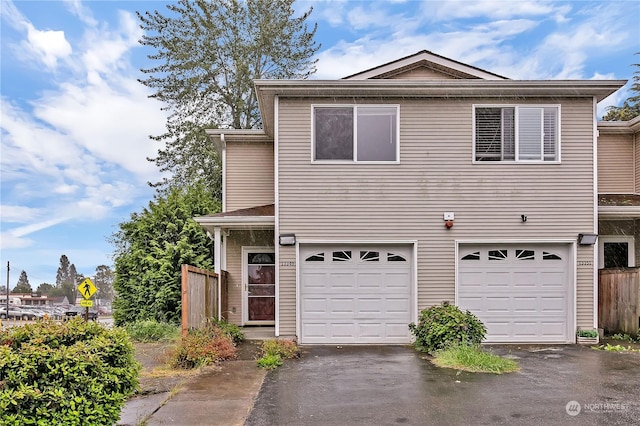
(86,288)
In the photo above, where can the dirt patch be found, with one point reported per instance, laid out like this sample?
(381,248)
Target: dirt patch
(157,376)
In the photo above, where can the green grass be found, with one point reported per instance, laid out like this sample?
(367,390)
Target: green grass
(152,331)
(474,359)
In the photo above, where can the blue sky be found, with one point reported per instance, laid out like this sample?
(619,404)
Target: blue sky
(75,121)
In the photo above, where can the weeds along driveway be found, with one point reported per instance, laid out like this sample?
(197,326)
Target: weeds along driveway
(386,385)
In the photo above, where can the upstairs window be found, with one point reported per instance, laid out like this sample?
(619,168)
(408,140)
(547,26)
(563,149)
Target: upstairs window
(355,133)
(517,133)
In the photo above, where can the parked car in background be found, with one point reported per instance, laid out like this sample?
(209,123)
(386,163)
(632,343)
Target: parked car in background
(80,311)
(16,313)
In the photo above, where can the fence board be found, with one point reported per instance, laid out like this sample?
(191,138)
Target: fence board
(200,296)
(619,300)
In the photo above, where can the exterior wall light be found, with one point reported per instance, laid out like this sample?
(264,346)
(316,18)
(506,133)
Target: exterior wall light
(587,239)
(287,239)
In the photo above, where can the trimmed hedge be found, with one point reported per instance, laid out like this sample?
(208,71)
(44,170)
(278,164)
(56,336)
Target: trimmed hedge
(74,373)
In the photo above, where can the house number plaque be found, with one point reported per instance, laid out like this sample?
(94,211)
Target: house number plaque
(287,263)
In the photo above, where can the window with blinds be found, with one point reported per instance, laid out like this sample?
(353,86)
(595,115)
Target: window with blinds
(517,133)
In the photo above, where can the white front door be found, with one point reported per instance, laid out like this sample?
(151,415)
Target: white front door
(355,294)
(259,285)
(521,292)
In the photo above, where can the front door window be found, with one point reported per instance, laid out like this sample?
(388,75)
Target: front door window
(261,286)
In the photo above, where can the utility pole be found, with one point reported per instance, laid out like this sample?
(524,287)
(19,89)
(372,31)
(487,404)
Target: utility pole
(8,289)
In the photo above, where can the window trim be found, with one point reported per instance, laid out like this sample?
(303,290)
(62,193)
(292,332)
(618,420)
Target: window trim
(516,107)
(355,133)
(630,240)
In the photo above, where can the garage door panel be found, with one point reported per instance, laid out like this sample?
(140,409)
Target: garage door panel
(520,299)
(341,281)
(315,305)
(363,299)
(369,281)
(341,306)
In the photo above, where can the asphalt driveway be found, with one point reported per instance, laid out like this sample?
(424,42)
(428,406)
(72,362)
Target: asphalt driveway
(386,385)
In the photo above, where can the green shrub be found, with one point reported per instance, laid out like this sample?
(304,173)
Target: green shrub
(152,331)
(446,325)
(275,350)
(203,346)
(231,330)
(270,361)
(72,373)
(592,334)
(285,348)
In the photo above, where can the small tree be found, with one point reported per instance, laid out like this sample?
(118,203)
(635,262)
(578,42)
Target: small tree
(45,289)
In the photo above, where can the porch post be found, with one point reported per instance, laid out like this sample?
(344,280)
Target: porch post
(217,246)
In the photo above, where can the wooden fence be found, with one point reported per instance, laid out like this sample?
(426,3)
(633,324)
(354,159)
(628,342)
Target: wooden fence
(619,300)
(200,302)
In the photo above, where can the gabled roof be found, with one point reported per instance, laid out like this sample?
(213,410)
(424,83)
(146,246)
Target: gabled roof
(448,68)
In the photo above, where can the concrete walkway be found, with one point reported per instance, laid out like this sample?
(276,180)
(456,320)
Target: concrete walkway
(221,396)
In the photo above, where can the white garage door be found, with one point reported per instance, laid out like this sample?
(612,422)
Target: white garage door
(522,293)
(355,294)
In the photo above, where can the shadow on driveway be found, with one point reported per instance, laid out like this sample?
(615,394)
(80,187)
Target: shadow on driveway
(386,385)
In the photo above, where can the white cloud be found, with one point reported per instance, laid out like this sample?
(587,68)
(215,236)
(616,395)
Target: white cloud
(18,214)
(494,9)
(77,151)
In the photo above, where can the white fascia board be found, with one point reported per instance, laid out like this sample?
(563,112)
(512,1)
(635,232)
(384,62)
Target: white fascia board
(236,220)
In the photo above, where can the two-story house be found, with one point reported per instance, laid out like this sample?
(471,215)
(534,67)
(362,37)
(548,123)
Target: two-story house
(366,199)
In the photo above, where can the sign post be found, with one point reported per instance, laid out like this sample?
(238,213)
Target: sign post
(86,289)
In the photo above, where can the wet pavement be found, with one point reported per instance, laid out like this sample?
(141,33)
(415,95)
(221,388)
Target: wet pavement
(386,385)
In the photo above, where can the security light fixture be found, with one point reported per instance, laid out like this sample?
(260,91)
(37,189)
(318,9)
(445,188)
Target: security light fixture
(587,239)
(287,239)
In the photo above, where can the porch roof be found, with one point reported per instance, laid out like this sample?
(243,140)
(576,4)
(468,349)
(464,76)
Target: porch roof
(259,217)
(619,206)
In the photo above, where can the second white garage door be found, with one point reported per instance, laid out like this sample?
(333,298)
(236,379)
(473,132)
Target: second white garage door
(353,294)
(523,293)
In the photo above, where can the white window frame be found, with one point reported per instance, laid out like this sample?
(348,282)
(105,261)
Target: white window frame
(630,240)
(516,108)
(355,133)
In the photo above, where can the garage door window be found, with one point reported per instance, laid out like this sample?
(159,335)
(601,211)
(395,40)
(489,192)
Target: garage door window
(341,256)
(370,256)
(319,257)
(550,256)
(497,254)
(525,254)
(392,257)
(472,256)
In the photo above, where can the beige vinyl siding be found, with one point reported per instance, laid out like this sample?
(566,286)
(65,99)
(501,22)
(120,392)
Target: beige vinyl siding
(636,149)
(616,164)
(235,241)
(249,179)
(436,174)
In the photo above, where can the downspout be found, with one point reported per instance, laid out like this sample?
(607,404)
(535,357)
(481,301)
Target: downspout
(595,248)
(216,266)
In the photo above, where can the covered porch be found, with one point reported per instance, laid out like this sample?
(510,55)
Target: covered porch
(244,248)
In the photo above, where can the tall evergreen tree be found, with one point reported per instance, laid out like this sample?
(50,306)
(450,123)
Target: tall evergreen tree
(208,52)
(23,285)
(151,247)
(64,274)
